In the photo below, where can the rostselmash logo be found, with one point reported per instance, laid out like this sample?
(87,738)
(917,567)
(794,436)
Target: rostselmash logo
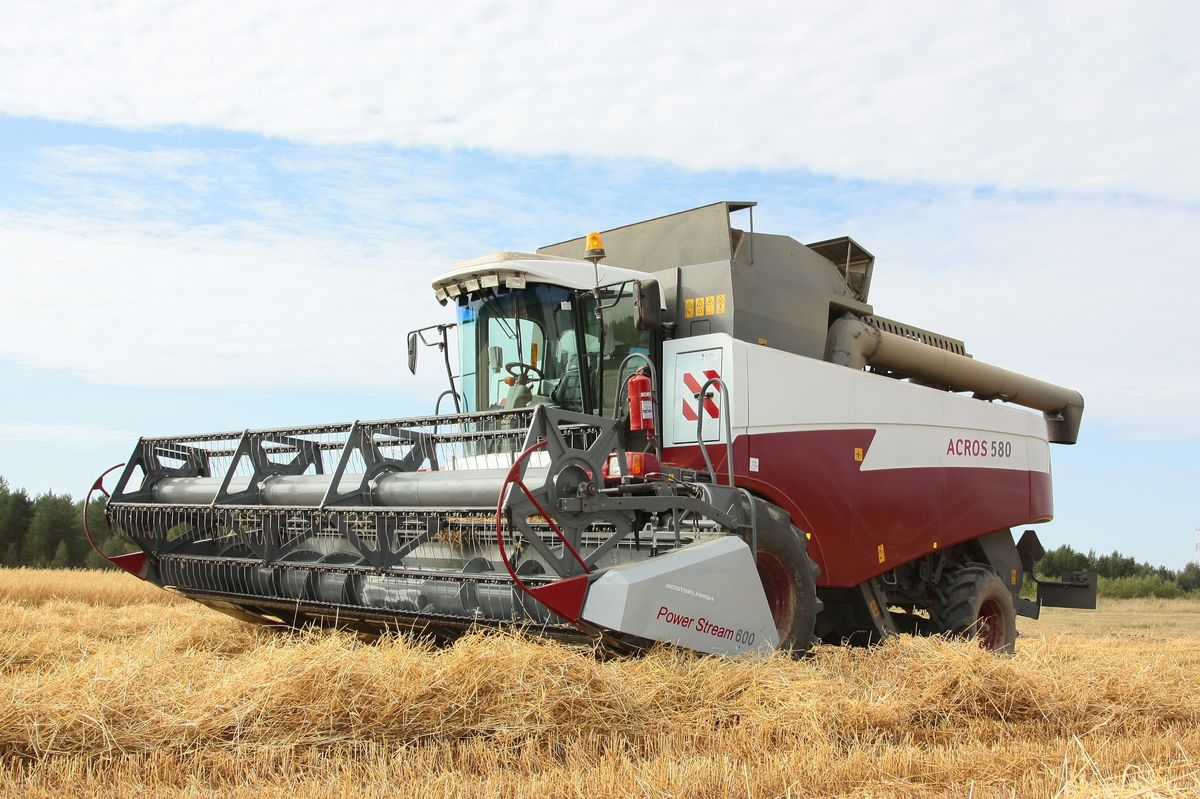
(690,592)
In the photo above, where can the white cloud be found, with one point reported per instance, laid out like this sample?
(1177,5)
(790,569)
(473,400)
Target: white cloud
(241,307)
(1087,97)
(71,434)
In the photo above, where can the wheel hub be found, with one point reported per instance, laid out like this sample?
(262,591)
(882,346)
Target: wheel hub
(991,625)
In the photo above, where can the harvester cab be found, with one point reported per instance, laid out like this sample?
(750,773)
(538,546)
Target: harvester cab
(723,448)
(537,330)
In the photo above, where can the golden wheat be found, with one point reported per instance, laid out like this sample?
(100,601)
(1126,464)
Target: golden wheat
(33,587)
(110,689)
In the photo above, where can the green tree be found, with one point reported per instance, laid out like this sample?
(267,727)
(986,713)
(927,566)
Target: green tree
(1189,577)
(62,556)
(1141,585)
(1063,559)
(14,527)
(1118,565)
(54,522)
(4,495)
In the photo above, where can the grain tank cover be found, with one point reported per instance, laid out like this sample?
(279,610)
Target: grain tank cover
(696,236)
(757,287)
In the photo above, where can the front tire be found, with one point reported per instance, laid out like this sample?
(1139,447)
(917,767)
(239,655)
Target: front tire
(975,603)
(789,577)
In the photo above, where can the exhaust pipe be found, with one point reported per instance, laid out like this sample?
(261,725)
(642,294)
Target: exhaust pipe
(854,343)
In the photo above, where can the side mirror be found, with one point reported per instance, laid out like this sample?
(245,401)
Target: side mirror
(495,359)
(647,303)
(412,352)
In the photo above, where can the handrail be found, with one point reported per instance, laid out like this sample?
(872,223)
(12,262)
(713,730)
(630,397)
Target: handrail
(701,396)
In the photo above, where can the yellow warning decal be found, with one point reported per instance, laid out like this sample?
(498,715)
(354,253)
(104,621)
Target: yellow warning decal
(709,305)
(858,454)
(533,353)
(1013,579)
(882,555)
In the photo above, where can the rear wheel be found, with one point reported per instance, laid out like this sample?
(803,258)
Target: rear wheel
(789,577)
(976,604)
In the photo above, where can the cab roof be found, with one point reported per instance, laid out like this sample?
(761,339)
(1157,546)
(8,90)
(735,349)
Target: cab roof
(534,268)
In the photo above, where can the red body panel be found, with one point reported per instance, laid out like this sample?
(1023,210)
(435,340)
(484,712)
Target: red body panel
(851,514)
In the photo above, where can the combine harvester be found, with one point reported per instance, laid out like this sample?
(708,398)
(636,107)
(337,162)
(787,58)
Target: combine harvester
(723,448)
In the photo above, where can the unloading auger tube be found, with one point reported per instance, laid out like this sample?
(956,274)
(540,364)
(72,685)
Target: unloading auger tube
(857,343)
(438,524)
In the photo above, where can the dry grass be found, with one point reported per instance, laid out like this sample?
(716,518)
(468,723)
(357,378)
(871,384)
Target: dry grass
(34,587)
(1145,618)
(108,689)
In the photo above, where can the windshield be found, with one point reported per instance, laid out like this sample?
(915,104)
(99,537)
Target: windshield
(522,347)
(515,345)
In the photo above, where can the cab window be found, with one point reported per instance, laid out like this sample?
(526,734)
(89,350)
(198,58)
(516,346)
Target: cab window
(612,338)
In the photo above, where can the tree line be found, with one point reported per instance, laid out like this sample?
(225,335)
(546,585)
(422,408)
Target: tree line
(1122,577)
(47,531)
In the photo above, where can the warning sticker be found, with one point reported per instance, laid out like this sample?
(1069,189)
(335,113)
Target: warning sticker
(708,305)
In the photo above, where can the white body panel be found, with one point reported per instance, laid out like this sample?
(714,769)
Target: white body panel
(772,391)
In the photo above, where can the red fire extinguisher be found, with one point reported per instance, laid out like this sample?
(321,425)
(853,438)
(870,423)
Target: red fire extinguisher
(641,402)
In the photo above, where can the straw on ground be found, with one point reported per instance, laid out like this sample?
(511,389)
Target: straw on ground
(109,688)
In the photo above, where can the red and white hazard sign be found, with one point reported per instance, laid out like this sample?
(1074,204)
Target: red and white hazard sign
(693,384)
(689,372)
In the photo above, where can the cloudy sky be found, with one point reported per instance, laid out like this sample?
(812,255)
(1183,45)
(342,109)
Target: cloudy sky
(215,216)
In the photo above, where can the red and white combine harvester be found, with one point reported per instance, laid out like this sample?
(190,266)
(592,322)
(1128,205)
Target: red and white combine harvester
(718,444)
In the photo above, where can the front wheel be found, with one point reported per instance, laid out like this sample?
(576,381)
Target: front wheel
(975,603)
(789,577)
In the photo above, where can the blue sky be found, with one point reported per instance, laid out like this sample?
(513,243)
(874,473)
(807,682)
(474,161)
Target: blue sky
(219,220)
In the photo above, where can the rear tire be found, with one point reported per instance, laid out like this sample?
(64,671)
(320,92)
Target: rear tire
(975,603)
(789,577)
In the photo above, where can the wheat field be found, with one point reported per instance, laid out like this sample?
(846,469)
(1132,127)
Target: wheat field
(112,688)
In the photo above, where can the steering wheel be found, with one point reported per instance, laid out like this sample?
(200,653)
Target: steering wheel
(525,368)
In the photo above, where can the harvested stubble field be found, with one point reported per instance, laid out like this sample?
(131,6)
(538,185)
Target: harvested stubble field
(112,688)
